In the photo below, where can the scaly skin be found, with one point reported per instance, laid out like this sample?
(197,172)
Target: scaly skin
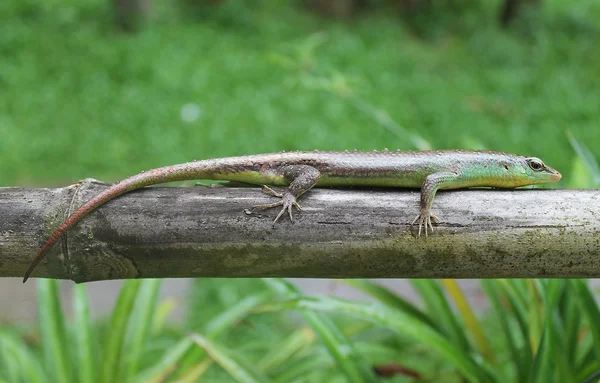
(300,171)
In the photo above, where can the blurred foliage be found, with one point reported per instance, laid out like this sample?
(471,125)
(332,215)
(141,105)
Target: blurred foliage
(81,99)
(537,331)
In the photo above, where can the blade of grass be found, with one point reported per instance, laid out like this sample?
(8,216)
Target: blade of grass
(115,336)
(287,349)
(194,374)
(53,332)
(589,306)
(142,318)
(587,367)
(395,320)
(571,318)
(339,346)
(535,315)
(299,368)
(233,364)
(319,360)
(519,356)
(85,358)
(389,298)
(222,322)
(18,362)
(586,157)
(11,366)
(593,378)
(557,363)
(469,319)
(538,361)
(440,311)
(163,310)
(516,297)
(167,364)
(185,355)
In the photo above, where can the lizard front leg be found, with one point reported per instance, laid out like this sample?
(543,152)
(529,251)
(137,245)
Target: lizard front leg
(432,183)
(301,178)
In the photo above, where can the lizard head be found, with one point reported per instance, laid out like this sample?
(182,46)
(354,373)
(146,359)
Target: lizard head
(536,172)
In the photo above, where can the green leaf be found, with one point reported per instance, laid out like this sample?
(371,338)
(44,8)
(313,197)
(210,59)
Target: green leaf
(515,294)
(554,361)
(166,365)
(571,317)
(84,338)
(588,159)
(239,369)
(287,349)
(18,363)
(395,320)
(301,367)
(389,298)
(519,355)
(143,318)
(185,355)
(52,326)
(469,319)
(341,349)
(589,307)
(440,311)
(116,333)
(223,321)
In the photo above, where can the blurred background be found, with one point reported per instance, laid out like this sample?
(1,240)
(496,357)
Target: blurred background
(105,89)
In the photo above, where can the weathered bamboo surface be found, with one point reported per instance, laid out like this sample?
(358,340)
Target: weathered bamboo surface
(167,232)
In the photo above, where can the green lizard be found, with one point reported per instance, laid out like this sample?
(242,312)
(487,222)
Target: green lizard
(300,171)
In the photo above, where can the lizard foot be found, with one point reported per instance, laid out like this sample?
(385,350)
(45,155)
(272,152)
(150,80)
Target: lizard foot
(424,219)
(287,201)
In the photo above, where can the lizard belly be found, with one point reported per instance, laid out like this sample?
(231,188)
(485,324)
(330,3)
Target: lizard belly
(252,177)
(404,181)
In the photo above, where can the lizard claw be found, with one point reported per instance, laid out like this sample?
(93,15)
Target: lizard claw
(287,202)
(424,219)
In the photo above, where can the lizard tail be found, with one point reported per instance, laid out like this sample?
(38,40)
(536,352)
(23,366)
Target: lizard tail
(181,172)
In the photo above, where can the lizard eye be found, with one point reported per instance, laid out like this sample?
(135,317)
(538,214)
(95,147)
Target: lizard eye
(535,165)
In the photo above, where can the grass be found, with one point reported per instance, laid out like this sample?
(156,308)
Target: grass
(80,99)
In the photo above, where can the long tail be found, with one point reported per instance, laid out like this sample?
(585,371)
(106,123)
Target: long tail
(192,170)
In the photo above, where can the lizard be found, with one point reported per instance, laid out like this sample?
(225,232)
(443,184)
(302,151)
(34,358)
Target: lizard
(429,171)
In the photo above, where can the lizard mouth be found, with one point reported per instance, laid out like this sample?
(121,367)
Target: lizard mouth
(552,175)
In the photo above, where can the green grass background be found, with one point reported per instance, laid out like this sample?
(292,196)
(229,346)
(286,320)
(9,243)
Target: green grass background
(80,99)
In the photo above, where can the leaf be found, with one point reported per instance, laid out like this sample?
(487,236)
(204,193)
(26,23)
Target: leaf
(223,321)
(389,298)
(395,320)
(233,364)
(84,338)
(341,349)
(469,319)
(185,356)
(519,355)
(18,362)
(587,158)
(143,318)
(116,332)
(440,311)
(167,364)
(588,305)
(52,326)
(287,349)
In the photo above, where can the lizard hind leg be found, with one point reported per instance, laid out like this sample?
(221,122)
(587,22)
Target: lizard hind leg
(302,178)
